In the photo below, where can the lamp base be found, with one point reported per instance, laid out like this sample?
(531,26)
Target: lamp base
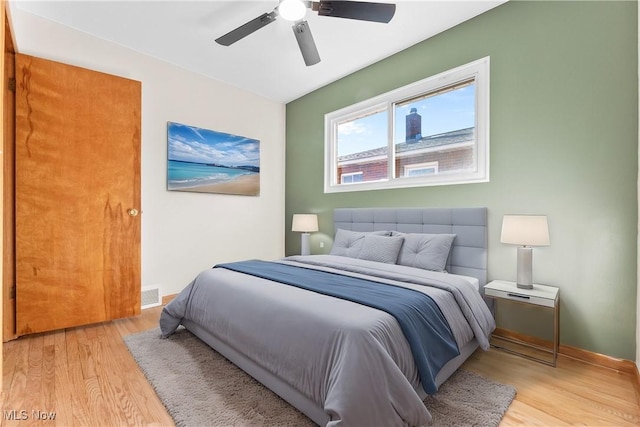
(525,270)
(304,244)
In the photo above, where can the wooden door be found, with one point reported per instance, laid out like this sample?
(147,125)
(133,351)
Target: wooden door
(77,196)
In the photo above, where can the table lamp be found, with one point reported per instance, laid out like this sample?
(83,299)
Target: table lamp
(525,231)
(305,223)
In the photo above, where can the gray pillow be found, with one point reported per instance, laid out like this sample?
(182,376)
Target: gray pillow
(426,251)
(349,243)
(381,248)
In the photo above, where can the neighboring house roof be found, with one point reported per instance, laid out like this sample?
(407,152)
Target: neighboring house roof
(431,141)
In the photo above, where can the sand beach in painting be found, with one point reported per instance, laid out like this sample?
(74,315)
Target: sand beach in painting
(248,185)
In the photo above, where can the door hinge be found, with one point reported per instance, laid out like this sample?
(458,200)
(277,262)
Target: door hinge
(12,84)
(12,292)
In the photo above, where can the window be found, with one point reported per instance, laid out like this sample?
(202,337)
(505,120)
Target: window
(432,132)
(348,178)
(419,169)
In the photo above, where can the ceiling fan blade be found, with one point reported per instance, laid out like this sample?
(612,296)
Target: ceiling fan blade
(246,29)
(305,41)
(360,10)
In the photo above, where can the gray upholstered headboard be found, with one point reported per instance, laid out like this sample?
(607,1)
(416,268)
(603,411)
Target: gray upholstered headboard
(469,251)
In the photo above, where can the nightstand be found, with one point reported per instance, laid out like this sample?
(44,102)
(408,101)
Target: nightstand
(544,296)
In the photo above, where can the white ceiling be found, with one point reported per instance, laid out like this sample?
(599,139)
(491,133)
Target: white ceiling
(267,62)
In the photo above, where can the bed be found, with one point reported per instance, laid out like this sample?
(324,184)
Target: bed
(340,361)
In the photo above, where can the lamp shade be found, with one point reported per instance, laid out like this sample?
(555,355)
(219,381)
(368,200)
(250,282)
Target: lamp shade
(525,230)
(305,223)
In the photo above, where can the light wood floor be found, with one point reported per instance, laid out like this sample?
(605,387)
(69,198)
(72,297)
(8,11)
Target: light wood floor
(87,377)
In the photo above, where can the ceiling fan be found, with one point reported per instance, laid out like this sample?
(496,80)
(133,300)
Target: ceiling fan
(294,10)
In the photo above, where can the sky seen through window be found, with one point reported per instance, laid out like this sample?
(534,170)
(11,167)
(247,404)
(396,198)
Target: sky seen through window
(444,112)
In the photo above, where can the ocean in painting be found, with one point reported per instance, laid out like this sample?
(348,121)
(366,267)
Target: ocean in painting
(188,175)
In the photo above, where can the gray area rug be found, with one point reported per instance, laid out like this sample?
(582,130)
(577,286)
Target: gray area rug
(199,387)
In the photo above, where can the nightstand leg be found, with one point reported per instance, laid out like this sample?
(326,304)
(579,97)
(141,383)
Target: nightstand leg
(556,331)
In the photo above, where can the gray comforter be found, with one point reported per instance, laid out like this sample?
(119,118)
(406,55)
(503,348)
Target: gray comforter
(353,360)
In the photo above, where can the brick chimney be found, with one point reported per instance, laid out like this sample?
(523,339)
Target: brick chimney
(414,126)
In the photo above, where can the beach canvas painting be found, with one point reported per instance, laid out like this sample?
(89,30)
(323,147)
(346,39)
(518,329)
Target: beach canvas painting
(206,161)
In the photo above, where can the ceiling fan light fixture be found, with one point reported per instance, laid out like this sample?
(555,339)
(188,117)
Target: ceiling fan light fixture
(295,10)
(292,10)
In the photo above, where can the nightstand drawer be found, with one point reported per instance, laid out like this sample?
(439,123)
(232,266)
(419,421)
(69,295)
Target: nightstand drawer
(516,296)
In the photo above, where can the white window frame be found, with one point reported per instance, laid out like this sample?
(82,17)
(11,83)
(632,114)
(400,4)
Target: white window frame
(477,70)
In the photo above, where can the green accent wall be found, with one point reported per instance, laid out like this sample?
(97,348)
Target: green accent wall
(564,142)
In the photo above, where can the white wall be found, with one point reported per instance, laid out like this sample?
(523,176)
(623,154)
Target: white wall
(182,233)
(638,265)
